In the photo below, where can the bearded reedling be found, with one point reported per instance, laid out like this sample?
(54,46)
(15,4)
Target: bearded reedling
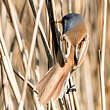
(75,34)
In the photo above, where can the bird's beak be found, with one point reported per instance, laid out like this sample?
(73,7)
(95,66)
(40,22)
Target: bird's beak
(59,21)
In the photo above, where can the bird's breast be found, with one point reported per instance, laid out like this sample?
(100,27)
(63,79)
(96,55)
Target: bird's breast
(76,54)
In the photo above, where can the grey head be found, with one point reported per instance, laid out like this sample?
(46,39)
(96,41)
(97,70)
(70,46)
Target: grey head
(71,20)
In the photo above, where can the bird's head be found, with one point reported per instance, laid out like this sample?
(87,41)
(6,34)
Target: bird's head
(69,21)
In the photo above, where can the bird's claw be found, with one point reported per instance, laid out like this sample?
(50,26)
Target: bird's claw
(71,89)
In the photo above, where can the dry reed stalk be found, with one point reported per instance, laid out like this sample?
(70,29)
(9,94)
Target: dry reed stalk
(62,7)
(55,18)
(37,65)
(72,101)
(2,106)
(78,6)
(71,95)
(74,94)
(3,91)
(64,101)
(3,18)
(36,102)
(35,96)
(103,98)
(76,101)
(67,102)
(10,75)
(32,4)
(88,85)
(53,104)
(62,104)
(68,96)
(6,27)
(18,30)
(70,6)
(8,67)
(7,98)
(54,10)
(53,27)
(6,91)
(19,33)
(30,56)
(22,11)
(22,78)
(43,36)
(38,106)
(20,20)
(47,49)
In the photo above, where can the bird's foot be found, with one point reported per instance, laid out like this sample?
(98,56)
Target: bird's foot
(71,89)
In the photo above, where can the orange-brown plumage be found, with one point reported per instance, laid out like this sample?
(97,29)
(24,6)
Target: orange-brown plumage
(75,34)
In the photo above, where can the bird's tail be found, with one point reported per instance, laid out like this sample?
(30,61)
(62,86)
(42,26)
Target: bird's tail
(52,83)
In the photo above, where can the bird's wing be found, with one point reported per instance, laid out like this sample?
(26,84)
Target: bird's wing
(81,50)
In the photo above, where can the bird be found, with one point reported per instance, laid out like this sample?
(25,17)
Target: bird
(52,85)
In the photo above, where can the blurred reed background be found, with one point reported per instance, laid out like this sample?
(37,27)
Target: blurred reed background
(18,28)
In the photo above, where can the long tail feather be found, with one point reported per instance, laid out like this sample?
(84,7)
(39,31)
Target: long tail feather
(52,84)
(43,82)
(60,87)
